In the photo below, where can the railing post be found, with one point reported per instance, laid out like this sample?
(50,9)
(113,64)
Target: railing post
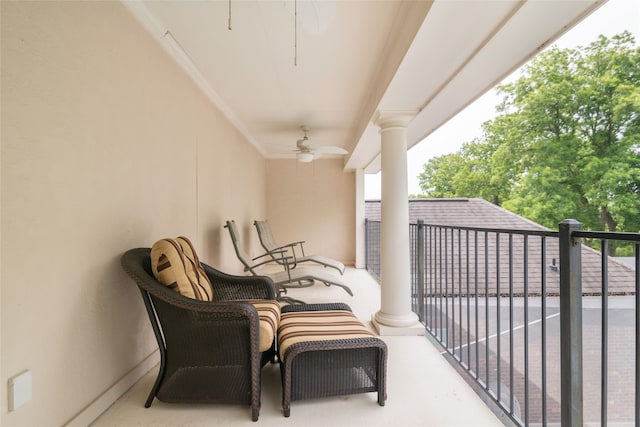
(570,324)
(420,268)
(366,244)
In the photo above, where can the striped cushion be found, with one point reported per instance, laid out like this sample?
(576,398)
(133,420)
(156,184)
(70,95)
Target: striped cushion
(174,263)
(303,326)
(269,312)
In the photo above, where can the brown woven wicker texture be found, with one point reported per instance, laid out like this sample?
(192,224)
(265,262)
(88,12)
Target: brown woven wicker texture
(337,367)
(213,345)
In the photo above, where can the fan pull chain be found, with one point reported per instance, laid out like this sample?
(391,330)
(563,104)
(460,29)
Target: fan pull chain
(295,33)
(295,30)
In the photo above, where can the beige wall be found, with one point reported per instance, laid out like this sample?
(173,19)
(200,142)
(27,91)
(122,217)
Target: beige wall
(313,202)
(106,145)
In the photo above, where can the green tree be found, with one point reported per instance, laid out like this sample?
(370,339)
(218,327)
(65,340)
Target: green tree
(566,142)
(468,173)
(440,174)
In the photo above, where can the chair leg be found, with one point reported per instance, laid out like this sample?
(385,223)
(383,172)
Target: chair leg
(382,378)
(154,389)
(346,288)
(161,347)
(149,401)
(156,385)
(290,300)
(303,283)
(282,291)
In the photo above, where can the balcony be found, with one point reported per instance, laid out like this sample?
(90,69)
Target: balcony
(545,326)
(510,335)
(423,388)
(108,145)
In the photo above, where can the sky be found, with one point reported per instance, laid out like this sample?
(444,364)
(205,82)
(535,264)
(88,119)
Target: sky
(611,18)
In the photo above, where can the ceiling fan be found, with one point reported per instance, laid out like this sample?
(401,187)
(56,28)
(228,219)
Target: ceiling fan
(307,150)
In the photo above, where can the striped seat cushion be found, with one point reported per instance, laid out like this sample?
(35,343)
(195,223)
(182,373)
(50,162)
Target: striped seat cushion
(303,326)
(269,313)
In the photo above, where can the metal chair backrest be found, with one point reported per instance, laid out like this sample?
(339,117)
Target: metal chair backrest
(265,236)
(242,255)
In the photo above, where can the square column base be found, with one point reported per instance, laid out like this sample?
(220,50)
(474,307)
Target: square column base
(382,330)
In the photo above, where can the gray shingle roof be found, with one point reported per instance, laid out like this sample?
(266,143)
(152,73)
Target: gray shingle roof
(482,214)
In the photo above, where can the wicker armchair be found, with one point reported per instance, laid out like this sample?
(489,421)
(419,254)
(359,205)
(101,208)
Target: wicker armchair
(213,346)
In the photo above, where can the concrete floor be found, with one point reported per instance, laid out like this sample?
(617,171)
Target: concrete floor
(423,388)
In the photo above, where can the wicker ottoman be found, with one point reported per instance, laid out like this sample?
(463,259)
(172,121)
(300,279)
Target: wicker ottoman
(326,351)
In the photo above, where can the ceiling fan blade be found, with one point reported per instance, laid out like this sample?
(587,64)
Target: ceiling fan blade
(285,153)
(328,149)
(307,148)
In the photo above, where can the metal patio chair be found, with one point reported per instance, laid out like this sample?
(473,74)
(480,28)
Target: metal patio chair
(295,250)
(287,278)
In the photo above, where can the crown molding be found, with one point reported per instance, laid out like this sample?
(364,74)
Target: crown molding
(170,45)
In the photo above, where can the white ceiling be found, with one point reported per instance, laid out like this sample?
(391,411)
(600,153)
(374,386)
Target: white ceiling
(353,59)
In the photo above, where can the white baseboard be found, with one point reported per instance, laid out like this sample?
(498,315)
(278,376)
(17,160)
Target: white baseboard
(106,399)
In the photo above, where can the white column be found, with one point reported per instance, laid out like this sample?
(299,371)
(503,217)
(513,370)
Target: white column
(395,316)
(360,226)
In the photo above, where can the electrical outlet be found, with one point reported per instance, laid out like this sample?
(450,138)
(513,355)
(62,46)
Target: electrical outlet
(20,390)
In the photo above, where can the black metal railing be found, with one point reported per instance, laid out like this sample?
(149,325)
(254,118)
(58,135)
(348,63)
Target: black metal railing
(372,248)
(509,306)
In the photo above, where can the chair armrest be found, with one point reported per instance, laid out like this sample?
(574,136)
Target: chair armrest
(293,247)
(286,248)
(198,327)
(207,310)
(228,287)
(283,248)
(271,254)
(315,307)
(283,260)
